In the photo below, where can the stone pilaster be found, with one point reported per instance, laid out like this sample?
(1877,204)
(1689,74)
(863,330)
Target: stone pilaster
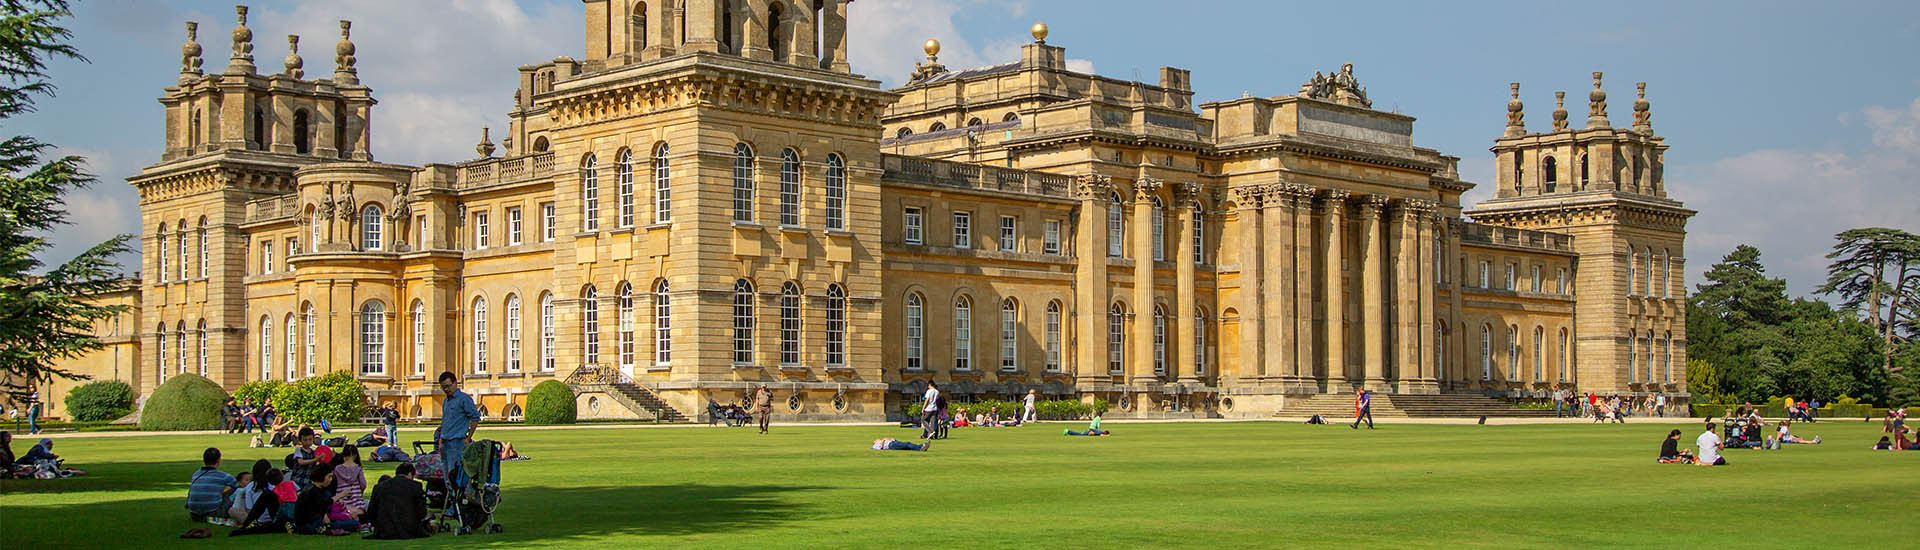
(1334,378)
(1252,306)
(1141,367)
(1406,259)
(1372,314)
(1425,285)
(1185,309)
(1090,281)
(1276,290)
(1302,301)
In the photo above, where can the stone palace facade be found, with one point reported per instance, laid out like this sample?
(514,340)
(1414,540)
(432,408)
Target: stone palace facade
(708,200)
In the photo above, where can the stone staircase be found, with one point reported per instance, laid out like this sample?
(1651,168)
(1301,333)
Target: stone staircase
(630,394)
(1447,405)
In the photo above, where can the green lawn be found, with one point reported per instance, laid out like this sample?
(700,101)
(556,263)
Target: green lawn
(1189,485)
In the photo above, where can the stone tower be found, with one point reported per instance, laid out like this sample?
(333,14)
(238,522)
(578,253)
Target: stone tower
(1605,187)
(231,137)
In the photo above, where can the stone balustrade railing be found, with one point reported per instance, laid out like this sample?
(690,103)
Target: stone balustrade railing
(909,169)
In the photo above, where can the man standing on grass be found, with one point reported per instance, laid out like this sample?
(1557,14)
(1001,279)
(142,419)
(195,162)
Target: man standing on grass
(458,419)
(1559,402)
(1709,444)
(1362,408)
(763,406)
(930,411)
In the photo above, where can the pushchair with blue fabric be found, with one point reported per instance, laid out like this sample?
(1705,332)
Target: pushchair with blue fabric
(466,496)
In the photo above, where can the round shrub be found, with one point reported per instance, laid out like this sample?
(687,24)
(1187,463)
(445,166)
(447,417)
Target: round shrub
(101,400)
(335,397)
(185,402)
(551,402)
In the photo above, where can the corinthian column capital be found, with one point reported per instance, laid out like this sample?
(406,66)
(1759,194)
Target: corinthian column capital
(1092,186)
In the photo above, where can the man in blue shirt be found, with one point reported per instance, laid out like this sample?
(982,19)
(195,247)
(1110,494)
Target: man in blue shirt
(1363,408)
(458,418)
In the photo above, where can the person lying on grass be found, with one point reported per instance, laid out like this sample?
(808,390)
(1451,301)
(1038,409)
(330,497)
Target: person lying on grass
(1885,444)
(1784,435)
(1670,451)
(891,444)
(1093,429)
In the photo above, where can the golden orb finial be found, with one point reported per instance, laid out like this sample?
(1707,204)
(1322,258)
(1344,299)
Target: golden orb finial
(932,47)
(1040,32)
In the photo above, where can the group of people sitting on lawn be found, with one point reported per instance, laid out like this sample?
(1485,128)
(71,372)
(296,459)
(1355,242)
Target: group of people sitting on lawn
(239,417)
(319,491)
(731,414)
(39,462)
(989,419)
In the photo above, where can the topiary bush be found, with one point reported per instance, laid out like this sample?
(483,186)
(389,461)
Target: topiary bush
(551,402)
(258,391)
(100,400)
(335,397)
(185,402)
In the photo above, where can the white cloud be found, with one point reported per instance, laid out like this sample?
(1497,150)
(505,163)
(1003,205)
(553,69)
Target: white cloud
(96,213)
(886,36)
(1080,66)
(1790,203)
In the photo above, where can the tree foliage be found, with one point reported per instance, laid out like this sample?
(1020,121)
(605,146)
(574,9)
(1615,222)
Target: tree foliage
(334,397)
(551,402)
(100,400)
(184,402)
(44,318)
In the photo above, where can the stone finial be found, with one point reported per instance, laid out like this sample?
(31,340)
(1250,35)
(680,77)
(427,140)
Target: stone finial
(1597,105)
(1039,32)
(485,148)
(1559,111)
(1516,117)
(343,59)
(930,69)
(190,53)
(294,63)
(1642,115)
(242,60)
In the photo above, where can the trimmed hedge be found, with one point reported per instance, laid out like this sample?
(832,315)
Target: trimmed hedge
(551,402)
(100,401)
(185,402)
(335,397)
(258,391)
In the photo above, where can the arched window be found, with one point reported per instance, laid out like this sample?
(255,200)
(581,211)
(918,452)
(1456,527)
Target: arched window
(1633,260)
(789,187)
(962,333)
(1562,357)
(1653,268)
(590,326)
(1519,171)
(836,326)
(836,192)
(1633,367)
(1486,352)
(370,227)
(915,332)
(1116,339)
(662,325)
(971,122)
(266,348)
(291,346)
(513,333)
(1116,227)
(419,338)
(202,355)
(625,323)
(662,186)
(547,330)
(790,324)
(302,142)
(203,246)
(637,29)
(1011,117)
(1199,237)
(937,126)
(1552,176)
(308,321)
(1666,273)
(160,349)
(774,21)
(1583,171)
(1513,353)
(623,176)
(540,144)
(1646,342)
(479,314)
(742,183)
(1159,230)
(193,139)
(902,133)
(260,139)
(1159,341)
(1053,336)
(743,322)
(1539,343)
(1009,335)
(590,194)
(1666,362)
(160,237)
(185,253)
(314,223)
(373,338)
(1199,342)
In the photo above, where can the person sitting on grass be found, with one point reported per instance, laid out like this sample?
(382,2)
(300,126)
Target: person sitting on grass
(1885,444)
(1902,443)
(398,508)
(507,453)
(891,444)
(1093,429)
(253,485)
(1709,445)
(1670,451)
(1784,435)
(272,507)
(350,480)
(209,491)
(6,455)
(310,512)
(960,421)
(301,461)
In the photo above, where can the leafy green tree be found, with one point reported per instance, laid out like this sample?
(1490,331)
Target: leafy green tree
(43,318)
(1862,261)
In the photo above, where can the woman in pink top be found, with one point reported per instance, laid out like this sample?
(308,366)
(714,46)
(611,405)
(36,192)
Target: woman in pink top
(350,483)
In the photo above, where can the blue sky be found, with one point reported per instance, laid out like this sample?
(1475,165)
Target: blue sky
(1788,122)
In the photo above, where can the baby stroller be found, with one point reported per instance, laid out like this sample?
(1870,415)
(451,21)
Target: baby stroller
(467,496)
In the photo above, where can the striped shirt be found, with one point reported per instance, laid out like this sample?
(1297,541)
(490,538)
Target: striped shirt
(204,491)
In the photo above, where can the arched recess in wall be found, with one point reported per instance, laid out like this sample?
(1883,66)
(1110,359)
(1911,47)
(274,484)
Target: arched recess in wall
(302,128)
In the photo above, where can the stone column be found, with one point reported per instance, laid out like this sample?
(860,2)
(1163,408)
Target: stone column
(1302,301)
(1372,314)
(834,52)
(1185,308)
(754,45)
(703,20)
(1425,285)
(1089,310)
(1252,324)
(1276,291)
(1141,368)
(805,50)
(1334,378)
(1457,335)
(1406,305)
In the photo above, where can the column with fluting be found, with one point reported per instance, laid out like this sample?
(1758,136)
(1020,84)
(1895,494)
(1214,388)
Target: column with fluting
(1252,325)
(1277,289)
(1141,368)
(1425,275)
(1185,308)
(1457,329)
(1406,259)
(1334,379)
(1090,282)
(1372,314)
(1302,300)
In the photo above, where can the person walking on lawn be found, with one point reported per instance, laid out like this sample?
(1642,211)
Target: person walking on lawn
(458,419)
(1362,408)
(930,411)
(763,406)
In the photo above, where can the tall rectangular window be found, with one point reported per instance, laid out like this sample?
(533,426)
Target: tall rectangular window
(420,232)
(1536,278)
(789,188)
(513,226)
(962,334)
(546,222)
(1510,285)
(293,247)
(1483,274)
(962,230)
(1199,239)
(589,195)
(911,220)
(623,177)
(836,193)
(1008,233)
(266,257)
(1053,337)
(1050,240)
(1009,335)
(479,230)
(1561,281)
(662,186)
(836,326)
(742,183)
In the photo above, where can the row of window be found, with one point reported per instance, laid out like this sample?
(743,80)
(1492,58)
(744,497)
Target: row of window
(1550,172)
(1640,368)
(482,237)
(1560,281)
(745,188)
(913,221)
(186,237)
(1640,279)
(181,337)
(904,131)
(1010,329)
